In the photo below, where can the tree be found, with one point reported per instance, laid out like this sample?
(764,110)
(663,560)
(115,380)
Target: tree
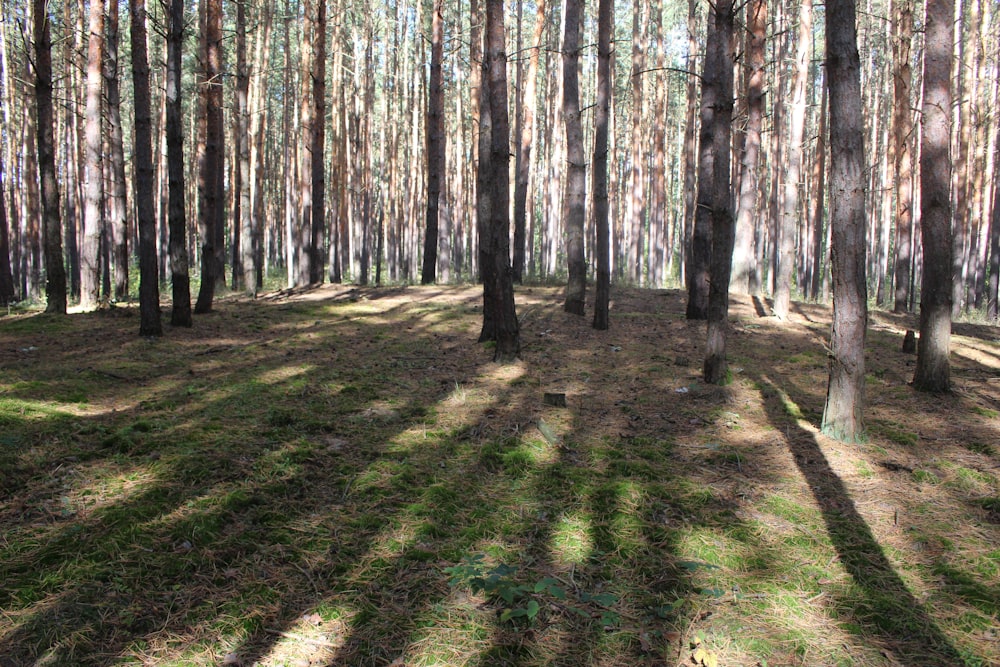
(743,252)
(499,299)
(902,130)
(843,415)
(55,272)
(435,144)
(575,195)
(715,190)
(210,168)
(793,168)
(7,294)
(318,137)
(605,26)
(180,281)
(244,274)
(117,206)
(933,372)
(149,287)
(90,283)
(700,257)
(522,167)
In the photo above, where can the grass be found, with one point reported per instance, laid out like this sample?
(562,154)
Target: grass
(292,481)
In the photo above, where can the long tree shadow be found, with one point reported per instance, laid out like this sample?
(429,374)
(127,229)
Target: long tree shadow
(883,605)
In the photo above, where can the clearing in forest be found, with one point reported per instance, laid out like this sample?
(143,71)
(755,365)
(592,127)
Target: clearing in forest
(341,476)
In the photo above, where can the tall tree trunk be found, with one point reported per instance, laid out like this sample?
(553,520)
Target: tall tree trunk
(819,201)
(716,189)
(55,272)
(701,237)
(117,206)
(637,184)
(436,147)
(933,372)
(793,169)
(501,296)
(298,243)
(522,167)
(993,290)
(744,257)
(210,194)
(176,209)
(902,131)
(318,139)
(690,151)
(605,27)
(90,287)
(149,286)
(843,414)
(7,293)
(244,274)
(575,196)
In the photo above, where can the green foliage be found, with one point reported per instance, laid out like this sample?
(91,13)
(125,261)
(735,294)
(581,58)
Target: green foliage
(524,600)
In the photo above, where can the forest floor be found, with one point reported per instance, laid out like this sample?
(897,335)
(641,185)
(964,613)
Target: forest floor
(341,476)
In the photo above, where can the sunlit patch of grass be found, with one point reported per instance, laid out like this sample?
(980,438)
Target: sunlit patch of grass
(572,539)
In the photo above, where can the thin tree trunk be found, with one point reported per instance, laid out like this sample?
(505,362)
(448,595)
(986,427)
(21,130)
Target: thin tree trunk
(933,372)
(522,166)
(902,131)
(210,195)
(508,342)
(7,292)
(436,148)
(244,275)
(318,139)
(843,414)
(117,205)
(637,184)
(717,123)
(90,288)
(793,169)
(690,150)
(744,257)
(701,238)
(176,209)
(575,196)
(819,200)
(605,27)
(55,273)
(149,286)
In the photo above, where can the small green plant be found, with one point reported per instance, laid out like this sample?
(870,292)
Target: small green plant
(523,600)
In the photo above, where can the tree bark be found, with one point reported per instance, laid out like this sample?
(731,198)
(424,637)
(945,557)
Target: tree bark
(7,293)
(793,168)
(436,146)
(117,206)
(575,196)
(244,273)
(933,372)
(210,194)
(744,257)
(176,209)
(55,272)
(843,414)
(149,287)
(90,287)
(690,152)
(605,27)
(508,342)
(716,190)
(701,237)
(902,131)
(318,139)
(522,166)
